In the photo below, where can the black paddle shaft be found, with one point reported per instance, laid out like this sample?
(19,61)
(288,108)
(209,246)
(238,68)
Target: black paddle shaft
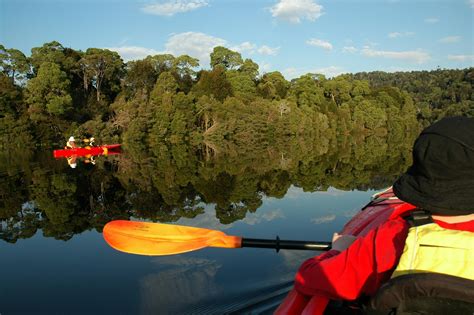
(284,244)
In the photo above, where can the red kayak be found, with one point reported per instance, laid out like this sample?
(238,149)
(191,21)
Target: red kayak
(99,150)
(383,207)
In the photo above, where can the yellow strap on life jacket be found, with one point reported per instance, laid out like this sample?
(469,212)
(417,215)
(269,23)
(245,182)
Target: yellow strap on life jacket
(431,248)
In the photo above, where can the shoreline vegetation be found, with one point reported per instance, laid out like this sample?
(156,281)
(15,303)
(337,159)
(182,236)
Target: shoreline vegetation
(228,136)
(59,91)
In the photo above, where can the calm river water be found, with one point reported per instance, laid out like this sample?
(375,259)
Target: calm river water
(54,259)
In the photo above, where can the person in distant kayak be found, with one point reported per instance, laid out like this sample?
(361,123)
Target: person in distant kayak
(72,161)
(90,142)
(432,243)
(89,159)
(71,143)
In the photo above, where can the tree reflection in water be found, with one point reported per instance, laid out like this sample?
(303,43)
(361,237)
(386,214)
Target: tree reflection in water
(169,182)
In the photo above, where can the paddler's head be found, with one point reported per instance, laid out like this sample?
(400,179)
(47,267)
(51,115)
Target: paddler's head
(71,139)
(441,179)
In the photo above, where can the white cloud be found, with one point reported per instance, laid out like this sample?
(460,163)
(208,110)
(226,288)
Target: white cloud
(269,51)
(461,57)
(331,71)
(431,20)
(319,43)
(265,67)
(291,73)
(200,45)
(294,11)
(170,8)
(255,218)
(194,44)
(245,47)
(250,48)
(326,219)
(416,56)
(133,52)
(450,39)
(349,49)
(471,3)
(394,34)
(400,34)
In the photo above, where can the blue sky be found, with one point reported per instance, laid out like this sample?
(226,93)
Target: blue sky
(291,36)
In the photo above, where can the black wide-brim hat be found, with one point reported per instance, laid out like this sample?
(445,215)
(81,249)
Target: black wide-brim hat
(441,179)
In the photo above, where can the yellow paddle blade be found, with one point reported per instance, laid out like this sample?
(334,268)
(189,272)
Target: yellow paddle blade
(145,238)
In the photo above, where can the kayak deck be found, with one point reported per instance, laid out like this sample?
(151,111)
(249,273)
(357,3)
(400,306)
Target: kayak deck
(383,206)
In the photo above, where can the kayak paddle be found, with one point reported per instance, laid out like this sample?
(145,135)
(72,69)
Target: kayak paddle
(145,238)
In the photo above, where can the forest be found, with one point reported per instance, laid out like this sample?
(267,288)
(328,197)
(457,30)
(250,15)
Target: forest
(225,135)
(58,91)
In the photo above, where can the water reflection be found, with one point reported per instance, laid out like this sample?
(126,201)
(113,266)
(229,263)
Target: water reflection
(168,183)
(285,190)
(189,278)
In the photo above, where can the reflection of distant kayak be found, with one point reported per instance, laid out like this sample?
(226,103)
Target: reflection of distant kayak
(99,150)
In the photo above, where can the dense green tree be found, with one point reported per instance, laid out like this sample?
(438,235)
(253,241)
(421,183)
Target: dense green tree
(273,85)
(140,78)
(184,65)
(15,132)
(226,58)
(205,113)
(165,85)
(184,70)
(103,69)
(249,68)
(307,91)
(243,80)
(13,63)
(213,83)
(54,52)
(161,63)
(433,92)
(10,97)
(369,116)
(48,93)
(242,84)
(338,89)
(360,88)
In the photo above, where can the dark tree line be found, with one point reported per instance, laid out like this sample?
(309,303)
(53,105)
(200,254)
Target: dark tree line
(439,93)
(59,91)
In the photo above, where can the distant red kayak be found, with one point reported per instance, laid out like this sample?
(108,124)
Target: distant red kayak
(99,150)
